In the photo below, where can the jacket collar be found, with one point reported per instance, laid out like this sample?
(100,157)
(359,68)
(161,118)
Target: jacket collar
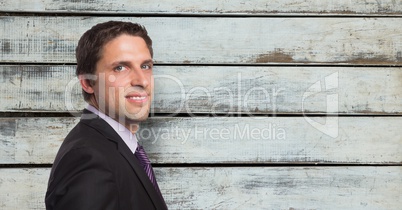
(103,127)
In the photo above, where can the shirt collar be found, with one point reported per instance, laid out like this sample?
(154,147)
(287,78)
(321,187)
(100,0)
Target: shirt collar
(121,130)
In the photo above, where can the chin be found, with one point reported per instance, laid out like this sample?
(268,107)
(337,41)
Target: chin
(137,118)
(137,115)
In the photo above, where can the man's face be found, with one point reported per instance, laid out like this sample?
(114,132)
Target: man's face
(124,86)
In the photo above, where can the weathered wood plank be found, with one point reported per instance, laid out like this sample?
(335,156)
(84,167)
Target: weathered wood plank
(346,140)
(208,7)
(283,188)
(247,90)
(241,188)
(182,40)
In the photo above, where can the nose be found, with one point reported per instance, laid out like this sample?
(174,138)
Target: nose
(139,78)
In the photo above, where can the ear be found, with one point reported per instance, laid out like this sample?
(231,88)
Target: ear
(85,84)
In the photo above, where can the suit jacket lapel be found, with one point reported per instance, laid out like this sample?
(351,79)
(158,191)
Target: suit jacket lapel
(103,127)
(153,194)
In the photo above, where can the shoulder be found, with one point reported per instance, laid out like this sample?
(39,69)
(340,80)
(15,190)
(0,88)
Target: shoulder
(84,143)
(83,156)
(83,175)
(86,136)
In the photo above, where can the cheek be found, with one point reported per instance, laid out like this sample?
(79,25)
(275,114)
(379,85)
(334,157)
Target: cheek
(110,91)
(115,83)
(151,80)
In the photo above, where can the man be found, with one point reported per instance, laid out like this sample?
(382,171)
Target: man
(100,165)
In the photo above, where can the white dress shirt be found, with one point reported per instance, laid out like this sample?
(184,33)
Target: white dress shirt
(128,138)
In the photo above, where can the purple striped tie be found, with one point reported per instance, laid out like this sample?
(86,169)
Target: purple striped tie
(146,164)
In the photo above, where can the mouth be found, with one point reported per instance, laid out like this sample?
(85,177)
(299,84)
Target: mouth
(137,97)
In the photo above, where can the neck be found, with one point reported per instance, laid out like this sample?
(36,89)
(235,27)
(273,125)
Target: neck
(131,125)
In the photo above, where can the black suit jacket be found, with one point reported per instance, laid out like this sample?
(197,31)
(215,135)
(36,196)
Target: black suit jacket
(95,169)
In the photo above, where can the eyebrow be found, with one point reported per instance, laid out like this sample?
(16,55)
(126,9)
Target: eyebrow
(128,63)
(148,61)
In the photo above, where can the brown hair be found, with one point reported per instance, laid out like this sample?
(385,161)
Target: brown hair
(90,45)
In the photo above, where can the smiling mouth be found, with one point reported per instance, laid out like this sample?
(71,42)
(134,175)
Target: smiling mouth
(138,98)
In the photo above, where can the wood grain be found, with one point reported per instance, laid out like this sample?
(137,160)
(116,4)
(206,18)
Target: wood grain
(213,40)
(241,188)
(220,90)
(228,57)
(216,140)
(208,7)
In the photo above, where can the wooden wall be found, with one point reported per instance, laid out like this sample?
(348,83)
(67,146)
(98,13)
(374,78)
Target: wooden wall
(264,104)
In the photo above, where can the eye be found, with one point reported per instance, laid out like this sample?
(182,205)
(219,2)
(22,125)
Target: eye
(146,66)
(119,68)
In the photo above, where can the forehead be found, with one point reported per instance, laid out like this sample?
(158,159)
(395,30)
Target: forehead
(125,43)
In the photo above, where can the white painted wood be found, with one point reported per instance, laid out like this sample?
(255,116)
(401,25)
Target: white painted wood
(241,188)
(23,188)
(217,90)
(213,40)
(283,188)
(38,142)
(208,7)
(373,140)
(246,140)
(274,140)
